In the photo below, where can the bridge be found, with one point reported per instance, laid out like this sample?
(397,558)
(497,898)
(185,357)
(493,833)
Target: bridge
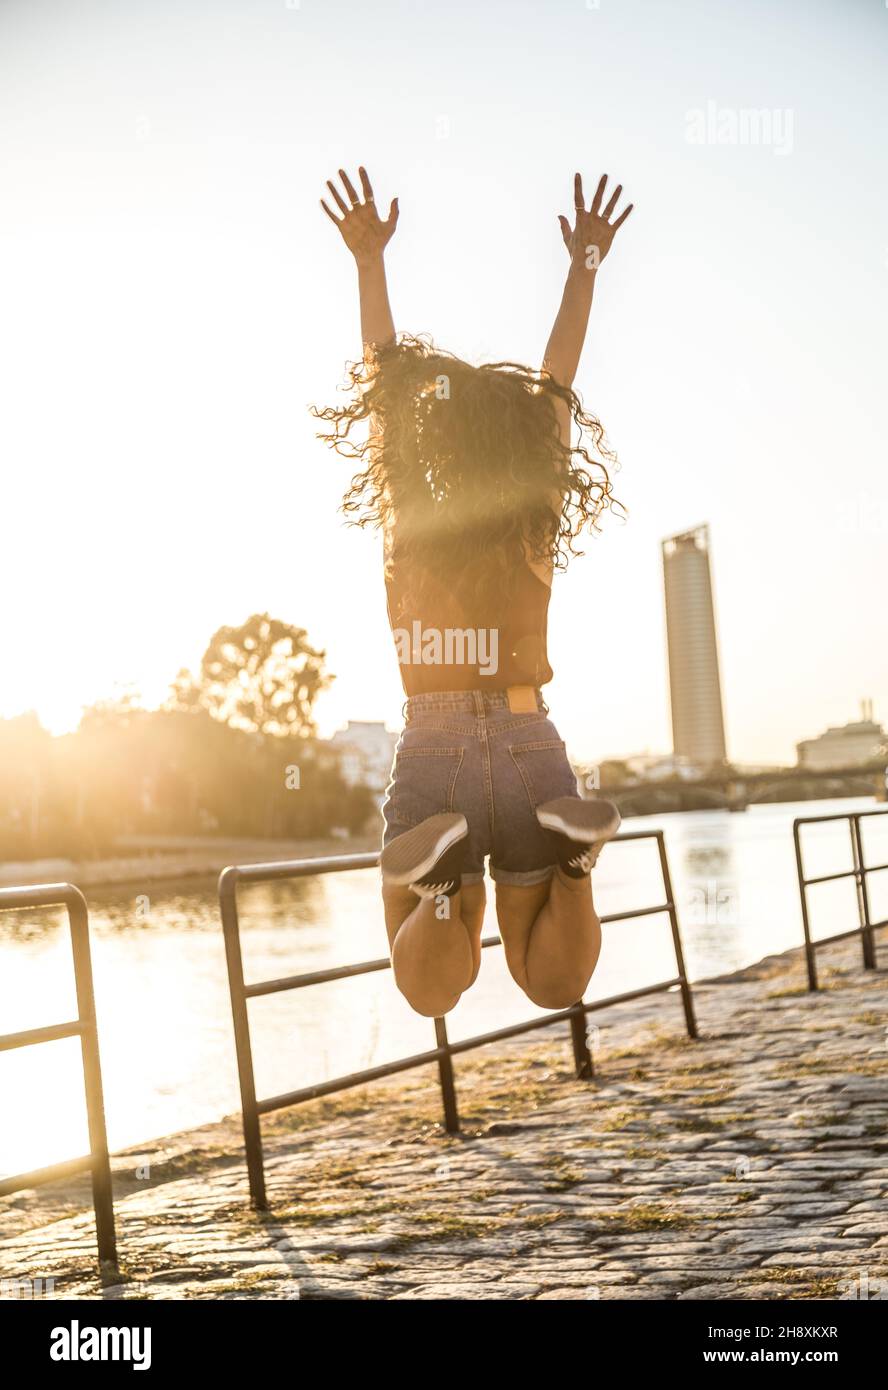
(734,791)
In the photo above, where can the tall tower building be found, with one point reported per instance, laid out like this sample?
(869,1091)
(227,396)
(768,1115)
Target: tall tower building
(698,726)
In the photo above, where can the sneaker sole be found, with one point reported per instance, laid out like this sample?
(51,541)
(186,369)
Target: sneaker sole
(414,854)
(585,822)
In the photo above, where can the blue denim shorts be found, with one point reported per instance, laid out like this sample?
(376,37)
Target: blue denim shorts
(466,751)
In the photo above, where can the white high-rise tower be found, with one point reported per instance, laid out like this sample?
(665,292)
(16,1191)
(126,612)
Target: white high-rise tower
(698,726)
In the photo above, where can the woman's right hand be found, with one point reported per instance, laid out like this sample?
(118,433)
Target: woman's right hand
(362,229)
(589,241)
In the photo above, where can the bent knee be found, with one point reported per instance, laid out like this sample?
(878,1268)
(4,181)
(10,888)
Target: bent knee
(429,1003)
(560,992)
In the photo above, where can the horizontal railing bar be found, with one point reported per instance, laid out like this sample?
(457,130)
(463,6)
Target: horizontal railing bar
(819,820)
(65,1169)
(838,936)
(335,972)
(635,835)
(345,1083)
(304,868)
(513,1030)
(638,912)
(831,878)
(50,1033)
(846,873)
(39,895)
(370,967)
(422,1059)
(315,977)
(838,815)
(659,988)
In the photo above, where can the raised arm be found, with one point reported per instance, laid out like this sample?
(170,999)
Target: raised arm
(587,243)
(366,235)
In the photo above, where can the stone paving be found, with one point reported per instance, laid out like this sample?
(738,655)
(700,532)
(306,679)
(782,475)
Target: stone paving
(752,1163)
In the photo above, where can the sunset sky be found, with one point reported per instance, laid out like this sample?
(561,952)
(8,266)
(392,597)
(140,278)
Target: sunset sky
(173,300)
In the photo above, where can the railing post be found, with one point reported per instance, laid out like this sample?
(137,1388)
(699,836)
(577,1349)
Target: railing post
(97,1162)
(583,1064)
(810,954)
(241,1021)
(445,1076)
(866,931)
(103,1197)
(686,996)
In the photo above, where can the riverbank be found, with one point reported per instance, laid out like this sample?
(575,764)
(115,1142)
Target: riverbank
(752,1163)
(153,859)
(143,859)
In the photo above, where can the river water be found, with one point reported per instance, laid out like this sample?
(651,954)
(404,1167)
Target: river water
(161,983)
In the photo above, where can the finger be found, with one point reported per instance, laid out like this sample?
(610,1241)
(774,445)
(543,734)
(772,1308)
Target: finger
(340,202)
(330,214)
(349,188)
(599,193)
(565,230)
(394,214)
(622,217)
(579,203)
(615,198)
(365,184)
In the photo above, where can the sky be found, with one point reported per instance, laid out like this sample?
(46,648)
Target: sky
(173,300)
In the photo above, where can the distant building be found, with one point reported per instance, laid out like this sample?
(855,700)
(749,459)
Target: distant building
(698,727)
(366,749)
(658,767)
(844,745)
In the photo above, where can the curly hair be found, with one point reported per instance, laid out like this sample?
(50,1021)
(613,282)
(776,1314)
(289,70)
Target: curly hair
(464,467)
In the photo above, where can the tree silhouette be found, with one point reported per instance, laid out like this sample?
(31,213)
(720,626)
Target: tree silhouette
(186,694)
(263,676)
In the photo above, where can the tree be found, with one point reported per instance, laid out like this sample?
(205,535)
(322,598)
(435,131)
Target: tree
(24,755)
(263,676)
(117,711)
(185,695)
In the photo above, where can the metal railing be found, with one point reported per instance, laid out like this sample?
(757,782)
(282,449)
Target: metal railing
(444,1050)
(96,1162)
(859,872)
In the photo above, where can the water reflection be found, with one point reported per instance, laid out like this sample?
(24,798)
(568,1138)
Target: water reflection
(710,904)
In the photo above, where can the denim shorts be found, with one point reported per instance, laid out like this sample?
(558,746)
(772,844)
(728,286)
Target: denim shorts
(466,751)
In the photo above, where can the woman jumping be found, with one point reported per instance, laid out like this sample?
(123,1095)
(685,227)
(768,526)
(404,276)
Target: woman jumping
(474,476)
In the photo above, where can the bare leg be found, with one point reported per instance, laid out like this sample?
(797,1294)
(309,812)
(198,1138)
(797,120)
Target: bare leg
(434,958)
(552,938)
